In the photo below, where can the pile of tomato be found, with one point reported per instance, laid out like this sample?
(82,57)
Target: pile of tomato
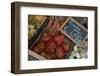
(51,44)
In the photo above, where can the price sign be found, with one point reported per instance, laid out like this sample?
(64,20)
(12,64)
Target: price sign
(75,31)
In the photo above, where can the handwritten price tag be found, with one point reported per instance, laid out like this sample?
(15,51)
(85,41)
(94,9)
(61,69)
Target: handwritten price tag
(74,31)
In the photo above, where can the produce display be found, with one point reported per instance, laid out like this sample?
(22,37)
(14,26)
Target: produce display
(52,43)
(34,23)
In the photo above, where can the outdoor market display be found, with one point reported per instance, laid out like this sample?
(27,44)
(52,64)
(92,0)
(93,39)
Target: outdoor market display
(57,37)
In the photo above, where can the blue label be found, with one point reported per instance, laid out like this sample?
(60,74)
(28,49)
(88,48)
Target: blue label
(75,31)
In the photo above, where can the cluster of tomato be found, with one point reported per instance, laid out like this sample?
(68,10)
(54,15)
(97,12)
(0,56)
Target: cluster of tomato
(51,44)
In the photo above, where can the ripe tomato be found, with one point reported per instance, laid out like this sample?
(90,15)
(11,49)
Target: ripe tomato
(45,37)
(65,46)
(60,53)
(58,39)
(50,47)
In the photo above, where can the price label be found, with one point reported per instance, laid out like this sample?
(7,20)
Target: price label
(74,31)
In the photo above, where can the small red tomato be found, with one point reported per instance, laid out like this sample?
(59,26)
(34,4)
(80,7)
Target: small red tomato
(53,34)
(36,49)
(49,56)
(49,50)
(58,39)
(60,53)
(43,53)
(45,37)
(51,44)
(41,45)
(65,46)
(50,47)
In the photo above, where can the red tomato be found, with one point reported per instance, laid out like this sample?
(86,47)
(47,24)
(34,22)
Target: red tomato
(41,45)
(36,49)
(65,46)
(58,39)
(49,50)
(46,37)
(52,34)
(43,53)
(50,47)
(49,56)
(60,53)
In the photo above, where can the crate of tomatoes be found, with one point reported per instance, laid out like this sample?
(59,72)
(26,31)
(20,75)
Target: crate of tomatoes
(49,42)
